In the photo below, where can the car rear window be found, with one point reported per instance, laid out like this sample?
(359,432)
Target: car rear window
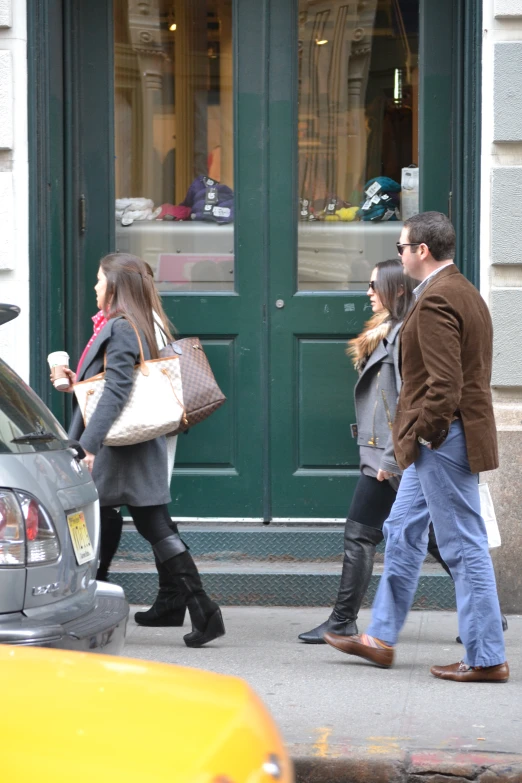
(23,413)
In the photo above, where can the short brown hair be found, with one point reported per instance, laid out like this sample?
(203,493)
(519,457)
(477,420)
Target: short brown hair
(436,231)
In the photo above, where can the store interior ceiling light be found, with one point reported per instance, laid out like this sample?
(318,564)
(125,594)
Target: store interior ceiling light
(173,27)
(322,42)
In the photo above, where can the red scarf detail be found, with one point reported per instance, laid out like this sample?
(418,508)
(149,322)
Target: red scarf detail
(99,322)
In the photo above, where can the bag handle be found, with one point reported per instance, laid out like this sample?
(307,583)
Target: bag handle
(143,364)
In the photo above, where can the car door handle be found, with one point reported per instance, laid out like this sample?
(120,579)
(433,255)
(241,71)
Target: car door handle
(77,448)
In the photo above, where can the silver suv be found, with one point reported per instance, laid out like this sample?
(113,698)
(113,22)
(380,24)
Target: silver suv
(49,532)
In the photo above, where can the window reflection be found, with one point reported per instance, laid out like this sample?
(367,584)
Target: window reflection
(357,136)
(174,139)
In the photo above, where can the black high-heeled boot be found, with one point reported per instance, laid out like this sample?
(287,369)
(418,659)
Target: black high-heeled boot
(360,542)
(169,607)
(205,614)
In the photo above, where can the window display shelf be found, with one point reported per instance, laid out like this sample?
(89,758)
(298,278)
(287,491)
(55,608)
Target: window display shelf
(200,256)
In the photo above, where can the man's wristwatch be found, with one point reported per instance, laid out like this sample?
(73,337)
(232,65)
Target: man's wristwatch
(423,442)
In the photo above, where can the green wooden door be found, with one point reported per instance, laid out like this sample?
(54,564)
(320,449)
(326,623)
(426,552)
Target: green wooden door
(200,75)
(324,88)
(281,447)
(313,459)
(356,91)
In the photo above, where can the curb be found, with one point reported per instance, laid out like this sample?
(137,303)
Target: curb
(431,766)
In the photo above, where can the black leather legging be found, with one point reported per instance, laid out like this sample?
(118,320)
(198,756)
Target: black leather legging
(371,505)
(152,522)
(111,525)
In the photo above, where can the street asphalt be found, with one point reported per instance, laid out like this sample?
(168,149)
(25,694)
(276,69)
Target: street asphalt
(329,705)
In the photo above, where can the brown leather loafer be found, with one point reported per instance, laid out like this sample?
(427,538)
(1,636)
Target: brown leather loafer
(459,672)
(352,645)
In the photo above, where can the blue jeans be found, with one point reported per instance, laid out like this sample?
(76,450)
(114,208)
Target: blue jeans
(441,485)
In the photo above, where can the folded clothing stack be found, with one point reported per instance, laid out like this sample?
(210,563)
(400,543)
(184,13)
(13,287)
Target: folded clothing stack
(210,200)
(171,212)
(130,209)
(382,200)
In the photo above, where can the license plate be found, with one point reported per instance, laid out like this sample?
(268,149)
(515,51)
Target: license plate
(80,538)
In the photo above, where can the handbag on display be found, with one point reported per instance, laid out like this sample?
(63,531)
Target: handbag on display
(201,394)
(155,404)
(487,512)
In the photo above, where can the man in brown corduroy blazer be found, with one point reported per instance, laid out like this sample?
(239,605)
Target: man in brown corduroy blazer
(444,434)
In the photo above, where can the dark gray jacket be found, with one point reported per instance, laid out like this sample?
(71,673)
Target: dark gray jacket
(376,394)
(136,475)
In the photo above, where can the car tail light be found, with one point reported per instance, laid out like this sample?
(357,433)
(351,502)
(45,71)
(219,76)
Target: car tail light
(12,531)
(31,520)
(41,539)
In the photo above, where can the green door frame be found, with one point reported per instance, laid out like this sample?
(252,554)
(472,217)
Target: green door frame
(233,325)
(71,150)
(450,107)
(46,191)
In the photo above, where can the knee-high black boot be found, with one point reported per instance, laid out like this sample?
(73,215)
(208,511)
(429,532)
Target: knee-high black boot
(168,609)
(360,542)
(205,614)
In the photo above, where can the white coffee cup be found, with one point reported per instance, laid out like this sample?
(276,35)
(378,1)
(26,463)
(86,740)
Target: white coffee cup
(57,361)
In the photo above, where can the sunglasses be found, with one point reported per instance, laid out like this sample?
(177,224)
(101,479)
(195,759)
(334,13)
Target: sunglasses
(371,285)
(400,248)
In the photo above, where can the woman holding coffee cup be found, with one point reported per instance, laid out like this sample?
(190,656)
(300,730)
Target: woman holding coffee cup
(63,379)
(137,475)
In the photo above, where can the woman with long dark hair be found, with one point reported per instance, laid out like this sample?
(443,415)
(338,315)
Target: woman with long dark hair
(375,355)
(137,475)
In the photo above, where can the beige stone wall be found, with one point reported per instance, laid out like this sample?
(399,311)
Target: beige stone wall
(501,273)
(506,488)
(14,182)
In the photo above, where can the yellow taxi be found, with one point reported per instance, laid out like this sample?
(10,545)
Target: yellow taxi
(70,716)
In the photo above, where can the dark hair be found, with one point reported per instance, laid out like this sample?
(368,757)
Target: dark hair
(434,230)
(131,292)
(395,289)
(157,305)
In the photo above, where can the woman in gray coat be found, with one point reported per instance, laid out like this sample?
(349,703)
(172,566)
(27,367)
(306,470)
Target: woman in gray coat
(137,475)
(375,354)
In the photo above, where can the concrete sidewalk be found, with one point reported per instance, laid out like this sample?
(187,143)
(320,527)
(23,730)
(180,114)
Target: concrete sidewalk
(331,707)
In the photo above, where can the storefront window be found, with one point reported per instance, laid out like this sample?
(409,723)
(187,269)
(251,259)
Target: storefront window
(357,136)
(174,140)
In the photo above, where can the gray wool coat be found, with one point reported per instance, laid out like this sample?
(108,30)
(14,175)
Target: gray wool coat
(376,393)
(135,475)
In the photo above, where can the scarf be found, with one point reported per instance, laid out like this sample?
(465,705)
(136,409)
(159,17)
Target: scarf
(361,348)
(99,322)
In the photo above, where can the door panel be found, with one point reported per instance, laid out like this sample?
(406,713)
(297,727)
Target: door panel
(233,484)
(176,110)
(338,102)
(197,449)
(314,459)
(323,374)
